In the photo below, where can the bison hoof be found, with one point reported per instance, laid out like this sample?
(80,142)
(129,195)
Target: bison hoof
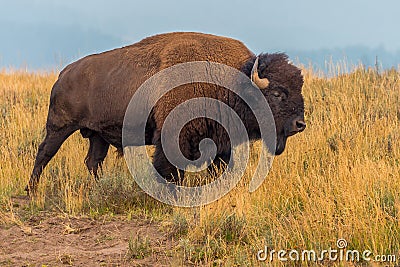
(30,191)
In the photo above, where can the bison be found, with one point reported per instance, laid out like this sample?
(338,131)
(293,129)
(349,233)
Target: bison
(93,93)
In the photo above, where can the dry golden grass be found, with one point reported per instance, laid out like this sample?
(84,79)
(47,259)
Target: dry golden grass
(337,179)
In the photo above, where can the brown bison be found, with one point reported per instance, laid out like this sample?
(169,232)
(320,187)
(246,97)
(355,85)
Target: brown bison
(92,95)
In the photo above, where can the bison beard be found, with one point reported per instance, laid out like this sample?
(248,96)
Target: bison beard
(92,95)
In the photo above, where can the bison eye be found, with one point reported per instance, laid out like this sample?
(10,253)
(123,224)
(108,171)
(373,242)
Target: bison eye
(276,94)
(280,94)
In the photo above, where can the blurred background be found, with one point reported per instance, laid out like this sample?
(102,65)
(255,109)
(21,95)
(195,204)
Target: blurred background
(47,34)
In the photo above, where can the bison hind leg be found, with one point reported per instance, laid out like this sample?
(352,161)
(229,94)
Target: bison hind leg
(98,148)
(86,133)
(55,137)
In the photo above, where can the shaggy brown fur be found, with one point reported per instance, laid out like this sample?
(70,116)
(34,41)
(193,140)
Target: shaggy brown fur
(92,95)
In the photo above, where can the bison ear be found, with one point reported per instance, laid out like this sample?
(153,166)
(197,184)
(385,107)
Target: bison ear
(255,78)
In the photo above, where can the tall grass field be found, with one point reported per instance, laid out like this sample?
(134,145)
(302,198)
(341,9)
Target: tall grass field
(339,179)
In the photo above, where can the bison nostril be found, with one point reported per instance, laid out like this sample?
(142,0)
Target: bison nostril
(301,125)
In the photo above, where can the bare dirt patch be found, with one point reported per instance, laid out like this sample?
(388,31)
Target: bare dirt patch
(54,239)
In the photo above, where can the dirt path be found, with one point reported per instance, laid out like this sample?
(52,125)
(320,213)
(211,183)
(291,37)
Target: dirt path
(60,240)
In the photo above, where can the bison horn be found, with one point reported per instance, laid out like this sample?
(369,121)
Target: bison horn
(255,79)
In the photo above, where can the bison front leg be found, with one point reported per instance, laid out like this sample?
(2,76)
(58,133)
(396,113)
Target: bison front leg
(98,149)
(168,171)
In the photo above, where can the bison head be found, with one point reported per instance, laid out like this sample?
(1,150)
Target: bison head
(281,83)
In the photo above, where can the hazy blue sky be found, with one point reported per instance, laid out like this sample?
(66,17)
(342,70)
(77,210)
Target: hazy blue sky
(47,33)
